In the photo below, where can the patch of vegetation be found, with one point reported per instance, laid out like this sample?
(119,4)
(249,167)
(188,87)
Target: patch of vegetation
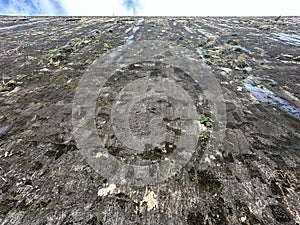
(207,122)
(56,56)
(19,80)
(297,58)
(31,58)
(242,60)
(230,55)
(8,86)
(107,47)
(204,137)
(209,42)
(208,55)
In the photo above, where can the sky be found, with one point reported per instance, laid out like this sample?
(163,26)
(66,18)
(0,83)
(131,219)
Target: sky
(150,7)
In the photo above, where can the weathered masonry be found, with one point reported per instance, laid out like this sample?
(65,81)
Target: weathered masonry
(155,120)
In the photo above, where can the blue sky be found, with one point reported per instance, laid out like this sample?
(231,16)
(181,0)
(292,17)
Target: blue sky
(151,7)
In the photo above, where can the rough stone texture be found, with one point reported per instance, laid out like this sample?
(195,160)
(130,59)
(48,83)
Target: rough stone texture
(252,178)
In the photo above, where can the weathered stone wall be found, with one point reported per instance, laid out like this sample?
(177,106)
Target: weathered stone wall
(250,177)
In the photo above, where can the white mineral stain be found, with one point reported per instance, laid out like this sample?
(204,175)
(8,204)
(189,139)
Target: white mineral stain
(226,70)
(239,88)
(98,155)
(150,200)
(207,160)
(106,191)
(243,219)
(201,126)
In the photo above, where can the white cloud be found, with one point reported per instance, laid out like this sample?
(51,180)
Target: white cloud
(152,7)
(32,7)
(220,8)
(94,7)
